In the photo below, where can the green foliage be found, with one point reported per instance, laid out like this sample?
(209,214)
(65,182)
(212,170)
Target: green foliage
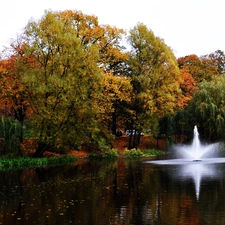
(27,163)
(10,133)
(136,153)
(207,109)
(63,82)
(111,154)
(155,75)
(152,152)
(133,153)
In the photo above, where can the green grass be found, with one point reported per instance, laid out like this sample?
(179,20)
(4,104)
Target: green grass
(133,153)
(136,153)
(152,152)
(111,154)
(28,162)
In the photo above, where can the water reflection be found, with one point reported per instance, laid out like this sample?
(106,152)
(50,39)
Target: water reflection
(206,168)
(197,172)
(114,192)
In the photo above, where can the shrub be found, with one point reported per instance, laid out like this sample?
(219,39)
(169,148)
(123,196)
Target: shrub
(152,152)
(111,154)
(136,153)
(133,153)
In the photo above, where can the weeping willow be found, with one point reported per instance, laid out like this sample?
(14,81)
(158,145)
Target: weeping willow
(10,135)
(208,109)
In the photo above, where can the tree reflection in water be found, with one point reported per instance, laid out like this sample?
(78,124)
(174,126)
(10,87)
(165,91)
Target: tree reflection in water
(114,192)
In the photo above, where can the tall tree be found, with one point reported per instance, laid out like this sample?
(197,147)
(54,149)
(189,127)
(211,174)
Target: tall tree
(112,57)
(207,109)
(155,75)
(63,82)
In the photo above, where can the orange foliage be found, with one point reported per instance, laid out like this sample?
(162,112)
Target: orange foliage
(13,101)
(188,86)
(200,68)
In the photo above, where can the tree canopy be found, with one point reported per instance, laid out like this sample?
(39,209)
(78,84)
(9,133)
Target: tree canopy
(207,109)
(69,80)
(155,77)
(201,68)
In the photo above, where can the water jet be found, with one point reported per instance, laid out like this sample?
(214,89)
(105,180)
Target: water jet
(196,152)
(195,161)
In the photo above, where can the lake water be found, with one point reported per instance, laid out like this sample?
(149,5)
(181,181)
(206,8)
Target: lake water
(114,192)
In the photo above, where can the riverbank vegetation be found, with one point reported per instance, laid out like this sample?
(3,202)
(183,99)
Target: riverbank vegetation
(68,83)
(8,164)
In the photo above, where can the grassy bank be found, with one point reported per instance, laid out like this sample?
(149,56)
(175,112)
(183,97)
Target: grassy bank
(28,162)
(136,153)
(133,153)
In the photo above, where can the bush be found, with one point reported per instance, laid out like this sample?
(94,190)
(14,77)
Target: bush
(133,153)
(152,152)
(111,154)
(136,153)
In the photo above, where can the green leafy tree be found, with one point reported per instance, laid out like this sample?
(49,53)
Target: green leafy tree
(108,39)
(63,82)
(112,60)
(155,75)
(207,109)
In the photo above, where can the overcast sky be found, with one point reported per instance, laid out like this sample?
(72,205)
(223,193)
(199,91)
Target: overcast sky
(187,26)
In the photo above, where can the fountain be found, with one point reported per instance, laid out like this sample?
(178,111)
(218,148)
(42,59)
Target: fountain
(195,161)
(196,151)
(193,153)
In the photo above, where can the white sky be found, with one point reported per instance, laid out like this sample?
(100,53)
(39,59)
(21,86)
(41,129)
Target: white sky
(187,26)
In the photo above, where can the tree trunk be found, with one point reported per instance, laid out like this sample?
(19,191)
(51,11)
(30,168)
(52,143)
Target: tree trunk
(114,127)
(130,143)
(41,149)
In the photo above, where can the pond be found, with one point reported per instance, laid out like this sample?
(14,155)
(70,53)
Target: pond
(114,192)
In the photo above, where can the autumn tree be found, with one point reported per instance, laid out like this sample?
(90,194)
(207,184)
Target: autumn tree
(13,97)
(117,93)
(155,75)
(218,59)
(112,57)
(61,61)
(62,82)
(201,68)
(188,87)
(108,39)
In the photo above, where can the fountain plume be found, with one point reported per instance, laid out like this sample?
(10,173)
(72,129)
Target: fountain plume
(196,151)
